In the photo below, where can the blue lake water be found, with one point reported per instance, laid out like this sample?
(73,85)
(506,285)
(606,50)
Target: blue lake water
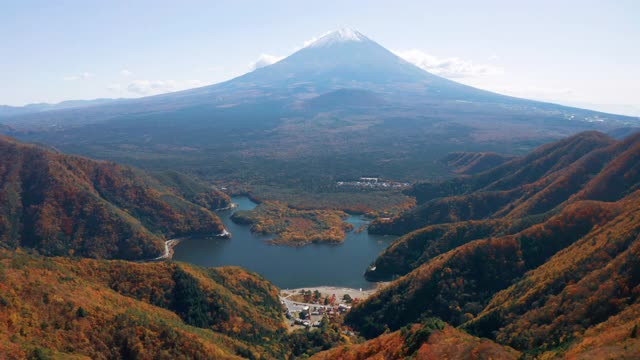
(288,267)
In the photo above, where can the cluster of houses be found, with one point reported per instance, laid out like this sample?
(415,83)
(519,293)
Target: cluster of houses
(304,316)
(373,183)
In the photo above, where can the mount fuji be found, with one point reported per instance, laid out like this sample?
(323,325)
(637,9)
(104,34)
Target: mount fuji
(340,98)
(347,59)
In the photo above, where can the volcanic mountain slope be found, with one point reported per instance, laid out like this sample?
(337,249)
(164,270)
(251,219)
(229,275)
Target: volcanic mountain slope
(547,284)
(7,111)
(62,205)
(97,309)
(342,59)
(341,107)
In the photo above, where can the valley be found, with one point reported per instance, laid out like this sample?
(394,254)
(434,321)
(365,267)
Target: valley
(338,203)
(463,266)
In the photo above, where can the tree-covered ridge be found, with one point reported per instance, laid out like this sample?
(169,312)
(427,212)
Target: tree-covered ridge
(71,308)
(252,308)
(61,205)
(550,177)
(430,339)
(607,173)
(193,190)
(470,163)
(419,247)
(456,285)
(295,227)
(583,286)
(112,309)
(560,283)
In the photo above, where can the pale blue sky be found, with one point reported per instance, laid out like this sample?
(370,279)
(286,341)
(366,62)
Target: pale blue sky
(573,52)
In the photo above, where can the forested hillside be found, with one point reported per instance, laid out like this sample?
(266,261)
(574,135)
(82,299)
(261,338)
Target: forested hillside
(550,177)
(65,205)
(72,308)
(536,258)
(469,163)
(431,339)
(545,273)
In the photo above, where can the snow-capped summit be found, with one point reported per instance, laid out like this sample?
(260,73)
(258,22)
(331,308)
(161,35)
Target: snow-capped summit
(339,36)
(343,58)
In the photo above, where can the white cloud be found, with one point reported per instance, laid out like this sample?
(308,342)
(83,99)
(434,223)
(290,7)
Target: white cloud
(452,67)
(155,87)
(265,60)
(125,72)
(82,76)
(314,39)
(268,59)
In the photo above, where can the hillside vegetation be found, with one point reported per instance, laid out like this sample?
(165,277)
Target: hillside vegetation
(96,309)
(469,163)
(533,184)
(62,205)
(535,258)
(295,227)
(431,339)
(553,273)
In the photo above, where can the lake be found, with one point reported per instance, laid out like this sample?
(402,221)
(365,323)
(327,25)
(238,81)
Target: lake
(340,265)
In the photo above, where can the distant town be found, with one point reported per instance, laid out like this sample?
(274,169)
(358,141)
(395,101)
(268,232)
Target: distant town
(373,183)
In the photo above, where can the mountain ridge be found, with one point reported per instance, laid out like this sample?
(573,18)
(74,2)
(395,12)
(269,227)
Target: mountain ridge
(61,205)
(542,283)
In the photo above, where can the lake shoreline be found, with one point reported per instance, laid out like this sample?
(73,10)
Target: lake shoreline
(170,244)
(335,265)
(338,291)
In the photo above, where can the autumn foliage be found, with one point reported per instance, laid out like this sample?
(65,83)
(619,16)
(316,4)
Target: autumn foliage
(430,339)
(70,308)
(67,205)
(295,227)
(469,163)
(552,271)
(531,185)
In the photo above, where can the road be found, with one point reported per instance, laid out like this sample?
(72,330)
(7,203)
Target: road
(168,249)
